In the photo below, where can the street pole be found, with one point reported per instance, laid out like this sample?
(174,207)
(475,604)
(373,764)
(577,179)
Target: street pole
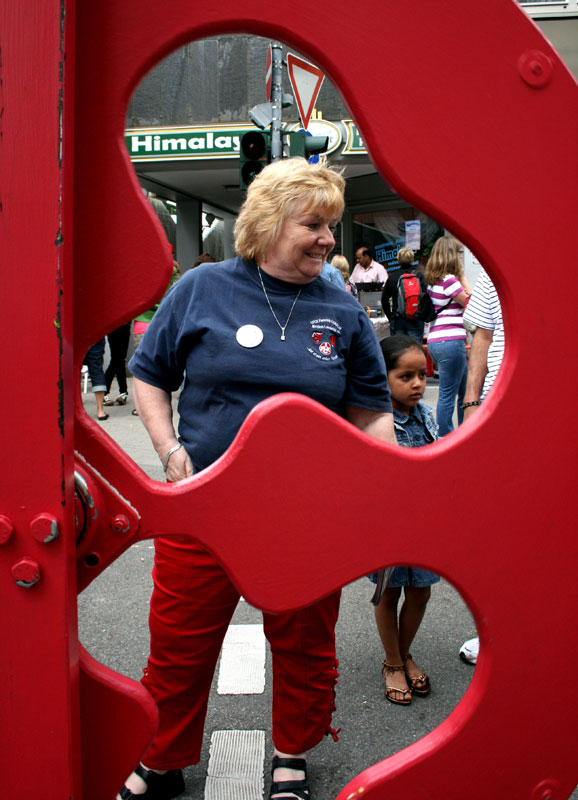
(277,101)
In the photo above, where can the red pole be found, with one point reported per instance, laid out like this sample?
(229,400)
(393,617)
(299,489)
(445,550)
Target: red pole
(39,731)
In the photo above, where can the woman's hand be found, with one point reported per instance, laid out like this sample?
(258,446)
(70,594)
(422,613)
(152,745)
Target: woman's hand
(156,414)
(179,467)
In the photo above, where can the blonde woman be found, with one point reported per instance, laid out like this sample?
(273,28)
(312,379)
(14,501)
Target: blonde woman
(240,331)
(342,265)
(450,291)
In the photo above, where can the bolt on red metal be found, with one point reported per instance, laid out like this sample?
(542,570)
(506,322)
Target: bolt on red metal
(26,572)
(44,528)
(120,523)
(536,68)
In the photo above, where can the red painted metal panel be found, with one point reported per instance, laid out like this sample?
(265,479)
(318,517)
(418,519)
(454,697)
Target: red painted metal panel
(39,710)
(496,94)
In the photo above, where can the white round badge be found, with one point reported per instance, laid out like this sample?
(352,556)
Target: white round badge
(249,336)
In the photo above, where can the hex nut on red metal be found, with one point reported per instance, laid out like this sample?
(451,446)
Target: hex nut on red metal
(6,529)
(120,523)
(44,528)
(26,572)
(536,68)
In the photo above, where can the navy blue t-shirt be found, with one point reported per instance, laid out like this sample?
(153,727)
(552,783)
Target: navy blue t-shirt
(331,352)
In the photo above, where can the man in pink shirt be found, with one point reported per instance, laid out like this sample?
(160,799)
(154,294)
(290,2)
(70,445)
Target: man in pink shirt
(367,270)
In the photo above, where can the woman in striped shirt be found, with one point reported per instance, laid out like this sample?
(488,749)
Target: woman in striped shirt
(446,341)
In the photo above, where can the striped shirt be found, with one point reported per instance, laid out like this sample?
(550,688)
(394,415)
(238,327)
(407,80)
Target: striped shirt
(448,323)
(484,310)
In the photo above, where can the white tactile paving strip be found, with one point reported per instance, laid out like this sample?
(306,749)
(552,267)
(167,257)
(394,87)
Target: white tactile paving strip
(242,669)
(235,770)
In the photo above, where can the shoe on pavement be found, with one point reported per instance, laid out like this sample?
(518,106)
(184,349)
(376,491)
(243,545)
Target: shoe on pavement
(469,651)
(121,399)
(108,401)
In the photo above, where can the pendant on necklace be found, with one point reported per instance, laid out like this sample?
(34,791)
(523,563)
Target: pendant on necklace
(281,327)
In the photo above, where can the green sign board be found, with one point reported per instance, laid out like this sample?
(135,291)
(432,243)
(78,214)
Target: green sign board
(354,144)
(218,141)
(156,144)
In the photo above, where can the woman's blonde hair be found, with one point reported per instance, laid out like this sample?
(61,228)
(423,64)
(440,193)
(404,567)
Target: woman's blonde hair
(406,256)
(280,190)
(444,260)
(342,265)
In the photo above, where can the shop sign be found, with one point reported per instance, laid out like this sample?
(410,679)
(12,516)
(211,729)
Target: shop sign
(386,253)
(179,144)
(354,144)
(222,141)
(413,234)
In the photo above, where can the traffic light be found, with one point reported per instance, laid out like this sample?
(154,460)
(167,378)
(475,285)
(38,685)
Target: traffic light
(303,144)
(254,156)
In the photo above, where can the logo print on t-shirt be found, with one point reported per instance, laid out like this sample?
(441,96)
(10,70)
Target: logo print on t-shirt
(325,348)
(324,334)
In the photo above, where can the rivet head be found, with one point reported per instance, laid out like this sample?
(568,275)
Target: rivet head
(44,528)
(536,68)
(26,572)
(120,523)
(6,529)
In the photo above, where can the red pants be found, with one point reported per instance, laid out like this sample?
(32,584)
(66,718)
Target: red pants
(192,604)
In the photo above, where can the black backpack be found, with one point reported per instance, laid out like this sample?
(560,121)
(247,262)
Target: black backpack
(426,311)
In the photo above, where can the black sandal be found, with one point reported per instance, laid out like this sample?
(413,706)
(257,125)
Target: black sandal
(299,789)
(159,787)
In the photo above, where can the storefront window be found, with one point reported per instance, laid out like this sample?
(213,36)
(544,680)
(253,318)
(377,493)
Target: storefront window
(387,231)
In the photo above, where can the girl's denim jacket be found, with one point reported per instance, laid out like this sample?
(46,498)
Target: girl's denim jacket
(416,430)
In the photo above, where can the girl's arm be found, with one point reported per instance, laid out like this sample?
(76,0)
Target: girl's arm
(461,298)
(378,424)
(461,276)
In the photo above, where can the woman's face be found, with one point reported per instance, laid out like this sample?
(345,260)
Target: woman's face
(305,241)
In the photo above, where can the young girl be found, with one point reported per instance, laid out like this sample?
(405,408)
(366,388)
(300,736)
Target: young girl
(414,426)
(446,341)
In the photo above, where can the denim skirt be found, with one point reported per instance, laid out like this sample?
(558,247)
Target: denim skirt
(408,576)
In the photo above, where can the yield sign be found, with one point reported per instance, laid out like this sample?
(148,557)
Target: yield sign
(306,81)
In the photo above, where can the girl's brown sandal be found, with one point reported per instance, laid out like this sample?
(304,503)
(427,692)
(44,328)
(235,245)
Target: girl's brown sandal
(421,684)
(390,691)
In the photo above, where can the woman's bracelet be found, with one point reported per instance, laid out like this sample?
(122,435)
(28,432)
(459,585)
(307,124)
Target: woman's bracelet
(472,403)
(169,454)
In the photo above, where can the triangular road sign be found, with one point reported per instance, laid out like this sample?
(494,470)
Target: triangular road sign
(306,80)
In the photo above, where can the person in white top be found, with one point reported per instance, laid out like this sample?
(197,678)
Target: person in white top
(486,355)
(485,312)
(366,269)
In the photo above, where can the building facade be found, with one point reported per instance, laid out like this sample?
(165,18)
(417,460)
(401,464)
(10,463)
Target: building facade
(186,119)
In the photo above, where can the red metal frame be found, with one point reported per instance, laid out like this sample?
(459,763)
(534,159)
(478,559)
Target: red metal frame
(495,94)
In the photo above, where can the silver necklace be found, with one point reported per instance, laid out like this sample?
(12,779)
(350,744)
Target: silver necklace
(282,327)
